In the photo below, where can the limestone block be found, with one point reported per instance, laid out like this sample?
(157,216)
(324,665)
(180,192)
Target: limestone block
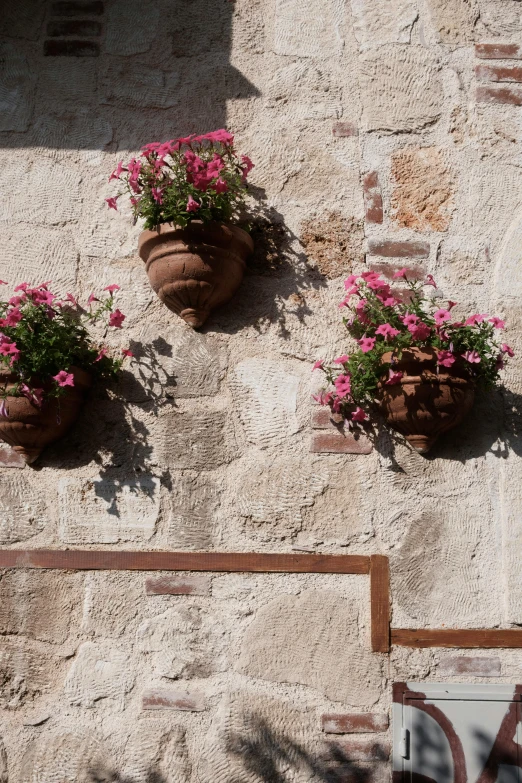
(423,196)
(501,17)
(23,21)
(16,92)
(306,91)
(312,639)
(46,254)
(454,20)
(299,30)
(334,243)
(379,23)
(28,670)
(112,602)
(400,88)
(23,513)
(265,396)
(192,505)
(100,512)
(78,88)
(130,84)
(157,748)
(99,671)
(82,131)
(508,272)
(4,775)
(63,756)
(39,605)
(495,197)
(197,441)
(178,584)
(179,362)
(54,189)
(125,31)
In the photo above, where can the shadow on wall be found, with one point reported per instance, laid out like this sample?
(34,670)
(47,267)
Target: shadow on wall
(135,71)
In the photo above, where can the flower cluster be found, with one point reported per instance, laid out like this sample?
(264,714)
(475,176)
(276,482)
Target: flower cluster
(42,338)
(192,178)
(383,319)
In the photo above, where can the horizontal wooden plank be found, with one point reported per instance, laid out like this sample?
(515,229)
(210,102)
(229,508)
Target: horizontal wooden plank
(454,637)
(112,560)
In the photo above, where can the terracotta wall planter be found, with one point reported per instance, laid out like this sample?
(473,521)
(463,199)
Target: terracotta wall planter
(429,400)
(29,429)
(196,268)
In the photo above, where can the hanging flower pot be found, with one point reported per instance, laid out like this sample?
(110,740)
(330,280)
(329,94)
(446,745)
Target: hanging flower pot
(189,192)
(196,268)
(48,361)
(28,427)
(428,399)
(413,361)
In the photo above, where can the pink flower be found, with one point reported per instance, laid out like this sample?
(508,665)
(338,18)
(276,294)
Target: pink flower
(70,298)
(9,349)
(353,290)
(473,320)
(499,364)
(220,186)
(506,349)
(420,331)
(92,299)
(442,315)
(376,284)
(22,287)
(387,300)
(430,281)
(497,323)
(126,352)
(359,415)
(112,288)
(247,165)
(342,359)
(112,204)
(394,377)
(192,205)
(33,395)
(14,317)
(318,365)
(343,386)
(350,281)
(16,300)
(3,410)
(472,357)
(451,304)
(116,319)
(324,398)
(2,282)
(117,171)
(366,344)
(445,358)
(410,319)
(157,195)
(387,331)
(400,273)
(102,353)
(370,276)
(64,378)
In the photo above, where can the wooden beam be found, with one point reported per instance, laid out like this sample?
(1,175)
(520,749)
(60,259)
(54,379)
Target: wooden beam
(380,603)
(114,560)
(464,638)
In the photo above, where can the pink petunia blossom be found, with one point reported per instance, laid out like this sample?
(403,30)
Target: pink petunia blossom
(33,395)
(14,317)
(445,358)
(410,320)
(473,320)
(126,352)
(343,386)
(2,282)
(117,171)
(111,203)
(430,281)
(22,287)
(497,323)
(351,291)
(323,398)
(451,304)
(420,331)
(387,331)
(377,284)
(92,299)
(400,273)
(441,316)
(350,281)
(471,356)
(359,415)
(247,165)
(366,343)
(370,276)
(72,299)
(318,365)
(64,378)
(157,195)
(220,186)
(116,319)
(102,353)
(17,300)
(394,377)
(9,349)
(387,300)
(506,349)
(192,205)
(112,288)
(342,359)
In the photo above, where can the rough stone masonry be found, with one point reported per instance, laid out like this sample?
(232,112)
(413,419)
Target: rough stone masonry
(384,133)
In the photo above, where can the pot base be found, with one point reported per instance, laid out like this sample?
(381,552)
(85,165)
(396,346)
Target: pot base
(193,317)
(28,455)
(420,443)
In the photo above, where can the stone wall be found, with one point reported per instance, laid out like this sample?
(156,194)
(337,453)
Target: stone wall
(384,132)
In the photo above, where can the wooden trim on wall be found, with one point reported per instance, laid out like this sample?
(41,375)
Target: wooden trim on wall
(453,637)
(380,603)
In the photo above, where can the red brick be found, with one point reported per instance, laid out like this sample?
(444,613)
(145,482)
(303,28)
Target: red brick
(340,443)
(71,49)
(398,249)
(172,699)
(176,584)
(387,270)
(93,8)
(11,459)
(324,419)
(512,95)
(498,51)
(475,666)
(354,722)
(86,28)
(372,198)
(364,749)
(343,129)
(499,73)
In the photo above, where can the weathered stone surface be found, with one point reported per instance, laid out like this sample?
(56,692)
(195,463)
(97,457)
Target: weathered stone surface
(16,92)
(300,31)
(172,699)
(354,723)
(265,394)
(379,23)
(99,671)
(47,183)
(105,512)
(23,21)
(125,34)
(372,198)
(471,665)
(46,254)
(34,604)
(307,91)
(423,196)
(22,513)
(4,775)
(293,639)
(501,18)
(454,20)
(333,243)
(192,505)
(198,441)
(65,755)
(139,86)
(178,584)
(400,88)
(158,748)
(364,750)
(28,671)
(112,602)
